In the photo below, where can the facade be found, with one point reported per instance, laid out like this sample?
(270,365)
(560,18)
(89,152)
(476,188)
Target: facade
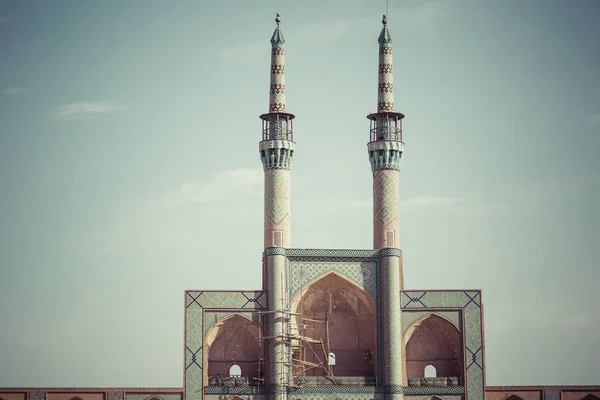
(330,324)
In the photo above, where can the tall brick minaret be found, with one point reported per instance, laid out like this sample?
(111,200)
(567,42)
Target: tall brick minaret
(276,152)
(385,151)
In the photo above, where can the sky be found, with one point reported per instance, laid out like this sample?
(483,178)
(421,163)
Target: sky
(129,170)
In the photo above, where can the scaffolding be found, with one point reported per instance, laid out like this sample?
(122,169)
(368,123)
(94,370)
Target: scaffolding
(305,350)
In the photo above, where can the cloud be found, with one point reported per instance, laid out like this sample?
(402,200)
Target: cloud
(15,90)
(86,109)
(224,185)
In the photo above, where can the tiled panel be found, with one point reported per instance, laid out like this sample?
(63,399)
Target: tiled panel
(37,395)
(551,394)
(428,397)
(196,302)
(69,396)
(470,303)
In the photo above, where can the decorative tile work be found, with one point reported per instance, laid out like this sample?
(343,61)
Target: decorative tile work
(385,155)
(386,187)
(115,395)
(277,199)
(385,99)
(409,317)
(304,254)
(391,322)
(552,395)
(470,302)
(362,274)
(294,391)
(212,317)
(195,304)
(36,395)
(277,97)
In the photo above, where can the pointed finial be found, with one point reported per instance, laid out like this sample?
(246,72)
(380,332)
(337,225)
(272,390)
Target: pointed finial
(383,21)
(278,19)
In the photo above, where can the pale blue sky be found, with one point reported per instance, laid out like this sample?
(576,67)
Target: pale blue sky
(129,170)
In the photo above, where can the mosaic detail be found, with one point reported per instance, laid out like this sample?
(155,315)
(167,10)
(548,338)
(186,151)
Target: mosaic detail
(385,154)
(294,254)
(277,51)
(470,303)
(552,394)
(303,273)
(212,317)
(115,395)
(390,293)
(276,154)
(385,50)
(335,390)
(409,317)
(277,199)
(195,303)
(386,187)
(36,395)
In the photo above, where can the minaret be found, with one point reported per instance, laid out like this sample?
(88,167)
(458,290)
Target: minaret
(276,152)
(385,151)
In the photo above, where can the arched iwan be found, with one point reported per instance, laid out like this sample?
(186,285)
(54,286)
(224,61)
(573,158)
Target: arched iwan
(234,340)
(336,316)
(435,341)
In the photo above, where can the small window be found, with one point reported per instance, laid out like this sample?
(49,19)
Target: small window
(235,371)
(430,372)
(331,359)
(389,238)
(277,238)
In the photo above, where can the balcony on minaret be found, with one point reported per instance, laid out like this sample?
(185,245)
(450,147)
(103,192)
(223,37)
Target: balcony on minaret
(386,126)
(277,126)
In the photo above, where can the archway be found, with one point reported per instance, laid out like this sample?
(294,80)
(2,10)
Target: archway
(233,341)
(513,397)
(433,341)
(340,318)
(590,397)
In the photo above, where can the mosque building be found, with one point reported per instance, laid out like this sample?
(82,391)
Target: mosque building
(329,324)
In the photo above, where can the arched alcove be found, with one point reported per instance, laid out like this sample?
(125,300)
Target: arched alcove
(233,341)
(341,315)
(513,397)
(433,341)
(154,398)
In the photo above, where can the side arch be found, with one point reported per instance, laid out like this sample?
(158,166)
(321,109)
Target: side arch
(433,340)
(233,339)
(590,397)
(336,312)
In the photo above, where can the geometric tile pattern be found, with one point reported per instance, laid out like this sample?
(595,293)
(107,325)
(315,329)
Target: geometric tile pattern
(277,199)
(385,200)
(335,254)
(36,395)
(470,303)
(195,304)
(295,392)
(115,395)
(551,394)
(277,92)
(148,396)
(391,320)
(408,317)
(362,274)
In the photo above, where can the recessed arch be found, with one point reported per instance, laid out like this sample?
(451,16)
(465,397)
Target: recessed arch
(343,316)
(513,397)
(154,397)
(433,340)
(76,398)
(232,340)
(590,397)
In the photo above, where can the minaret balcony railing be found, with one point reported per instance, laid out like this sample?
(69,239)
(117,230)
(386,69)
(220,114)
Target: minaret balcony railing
(386,126)
(277,126)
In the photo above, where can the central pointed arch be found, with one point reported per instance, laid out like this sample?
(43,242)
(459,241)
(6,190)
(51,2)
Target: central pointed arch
(340,314)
